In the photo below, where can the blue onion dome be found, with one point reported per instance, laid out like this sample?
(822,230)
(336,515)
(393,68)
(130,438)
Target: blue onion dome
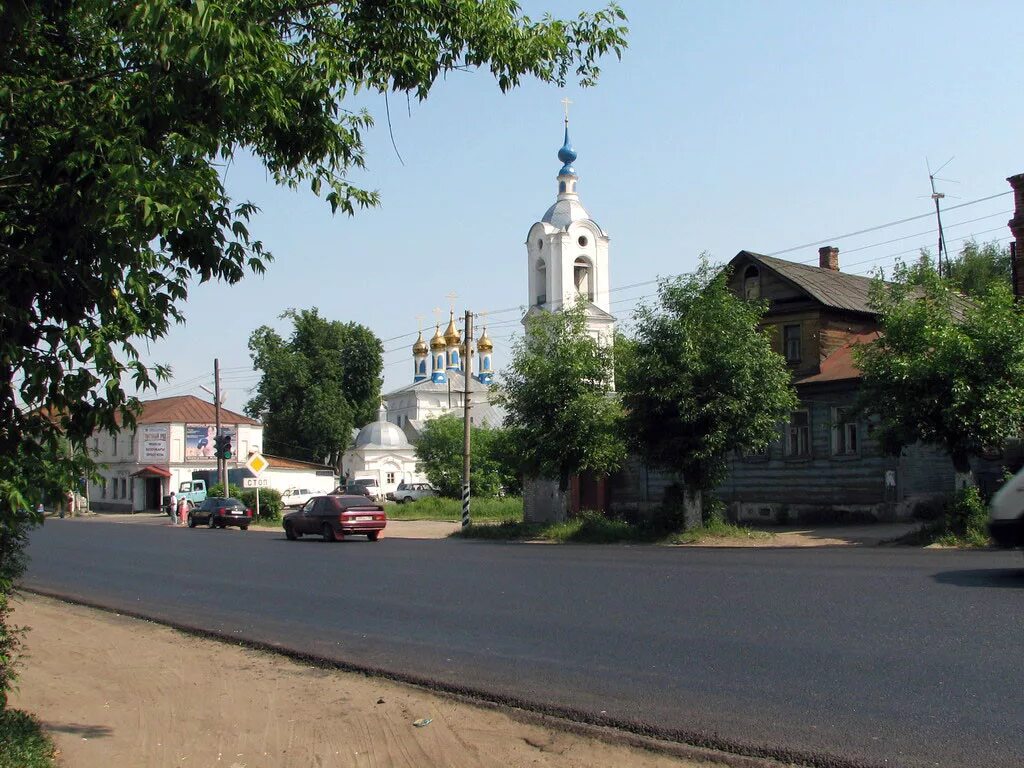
(567,155)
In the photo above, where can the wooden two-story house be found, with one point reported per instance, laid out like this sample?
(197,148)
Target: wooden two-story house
(824,464)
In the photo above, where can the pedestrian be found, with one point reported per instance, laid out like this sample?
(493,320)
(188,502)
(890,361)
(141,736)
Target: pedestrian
(172,507)
(40,510)
(69,504)
(182,511)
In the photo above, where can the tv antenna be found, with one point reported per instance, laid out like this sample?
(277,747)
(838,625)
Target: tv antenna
(937,196)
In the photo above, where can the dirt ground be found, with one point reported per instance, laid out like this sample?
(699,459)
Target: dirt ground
(116,691)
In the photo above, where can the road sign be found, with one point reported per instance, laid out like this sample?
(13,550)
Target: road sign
(255,482)
(256,464)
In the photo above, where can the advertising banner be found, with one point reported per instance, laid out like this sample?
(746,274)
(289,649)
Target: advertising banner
(199,444)
(154,443)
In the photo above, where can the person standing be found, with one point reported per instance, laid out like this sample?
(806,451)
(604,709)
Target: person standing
(69,504)
(172,507)
(182,511)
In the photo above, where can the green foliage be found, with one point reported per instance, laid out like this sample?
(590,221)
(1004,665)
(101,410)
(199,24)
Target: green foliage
(717,528)
(270,502)
(963,522)
(439,456)
(585,528)
(560,417)
(978,267)
(450,510)
(946,371)
(700,379)
(13,537)
(23,742)
(316,386)
(217,489)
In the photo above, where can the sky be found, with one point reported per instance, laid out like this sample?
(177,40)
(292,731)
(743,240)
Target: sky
(772,127)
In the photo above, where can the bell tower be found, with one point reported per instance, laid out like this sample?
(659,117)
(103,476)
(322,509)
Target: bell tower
(567,253)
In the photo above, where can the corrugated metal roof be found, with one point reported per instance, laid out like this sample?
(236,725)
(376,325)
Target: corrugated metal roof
(187,409)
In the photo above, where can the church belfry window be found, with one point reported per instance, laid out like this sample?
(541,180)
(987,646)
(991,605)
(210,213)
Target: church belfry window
(583,277)
(751,284)
(542,282)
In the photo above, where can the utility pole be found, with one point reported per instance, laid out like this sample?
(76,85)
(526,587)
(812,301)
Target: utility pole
(466,375)
(936,196)
(216,406)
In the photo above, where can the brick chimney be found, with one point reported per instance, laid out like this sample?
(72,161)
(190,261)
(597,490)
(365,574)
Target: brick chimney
(828,258)
(1016,225)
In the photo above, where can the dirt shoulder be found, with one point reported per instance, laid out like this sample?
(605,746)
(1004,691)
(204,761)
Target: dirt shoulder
(113,690)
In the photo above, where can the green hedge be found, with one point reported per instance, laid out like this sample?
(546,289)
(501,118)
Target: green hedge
(450,510)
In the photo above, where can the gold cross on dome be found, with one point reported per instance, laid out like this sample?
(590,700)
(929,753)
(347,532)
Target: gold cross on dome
(437,314)
(451,299)
(565,104)
(419,322)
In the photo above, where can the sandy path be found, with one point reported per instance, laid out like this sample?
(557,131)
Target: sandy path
(116,691)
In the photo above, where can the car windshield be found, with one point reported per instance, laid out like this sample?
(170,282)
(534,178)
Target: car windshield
(220,501)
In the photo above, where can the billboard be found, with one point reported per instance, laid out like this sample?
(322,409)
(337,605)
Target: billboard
(154,442)
(199,441)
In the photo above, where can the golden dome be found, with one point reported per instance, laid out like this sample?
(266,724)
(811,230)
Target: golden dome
(438,343)
(484,343)
(420,347)
(451,334)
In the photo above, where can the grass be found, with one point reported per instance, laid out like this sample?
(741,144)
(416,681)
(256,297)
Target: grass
(718,529)
(963,522)
(23,743)
(594,528)
(450,510)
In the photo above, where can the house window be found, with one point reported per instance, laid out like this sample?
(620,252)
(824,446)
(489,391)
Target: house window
(751,284)
(131,445)
(390,478)
(759,453)
(798,434)
(114,443)
(124,488)
(844,432)
(103,488)
(791,343)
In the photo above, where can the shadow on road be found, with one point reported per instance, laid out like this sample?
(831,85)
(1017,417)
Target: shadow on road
(1011,578)
(85,731)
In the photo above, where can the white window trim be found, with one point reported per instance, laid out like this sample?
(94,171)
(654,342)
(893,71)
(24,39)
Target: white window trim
(789,430)
(847,426)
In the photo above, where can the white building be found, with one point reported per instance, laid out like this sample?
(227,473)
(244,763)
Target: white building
(567,255)
(172,443)
(383,452)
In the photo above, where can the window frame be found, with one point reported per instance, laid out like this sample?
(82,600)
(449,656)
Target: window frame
(798,339)
(792,432)
(842,426)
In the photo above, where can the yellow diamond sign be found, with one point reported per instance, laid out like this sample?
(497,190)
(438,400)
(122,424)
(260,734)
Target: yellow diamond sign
(256,464)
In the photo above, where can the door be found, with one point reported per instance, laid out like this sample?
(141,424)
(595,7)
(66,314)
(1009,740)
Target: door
(153,487)
(307,520)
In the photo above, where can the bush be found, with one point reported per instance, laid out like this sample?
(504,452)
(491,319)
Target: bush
(962,523)
(217,489)
(270,502)
(450,510)
(23,743)
(13,538)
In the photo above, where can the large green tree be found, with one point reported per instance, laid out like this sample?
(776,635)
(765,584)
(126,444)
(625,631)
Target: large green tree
(116,119)
(561,416)
(315,385)
(439,452)
(946,370)
(972,271)
(701,380)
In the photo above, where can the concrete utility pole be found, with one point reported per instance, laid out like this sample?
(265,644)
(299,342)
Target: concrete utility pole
(467,375)
(216,406)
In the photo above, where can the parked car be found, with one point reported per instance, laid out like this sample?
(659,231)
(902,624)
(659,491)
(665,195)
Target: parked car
(366,486)
(218,512)
(1006,513)
(407,492)
(335,516)
(296,497)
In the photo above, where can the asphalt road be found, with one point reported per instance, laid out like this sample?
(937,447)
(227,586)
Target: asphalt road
(880,656)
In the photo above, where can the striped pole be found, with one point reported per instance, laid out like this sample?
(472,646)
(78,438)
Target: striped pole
(467,374)
(465,506)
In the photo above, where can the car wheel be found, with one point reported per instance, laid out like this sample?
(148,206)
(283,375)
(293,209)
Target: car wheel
(328,532)
(289,532)
(373,535)
(210,522)
(191,521)
(244,527)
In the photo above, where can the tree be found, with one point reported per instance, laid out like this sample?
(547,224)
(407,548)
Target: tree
(561,416)
(316,386)
(116,118)
(977,267)
(701,381)
(439,455)
(946,370)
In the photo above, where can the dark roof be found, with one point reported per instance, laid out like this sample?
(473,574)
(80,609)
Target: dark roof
(188,409)
(280,462)
(832,288)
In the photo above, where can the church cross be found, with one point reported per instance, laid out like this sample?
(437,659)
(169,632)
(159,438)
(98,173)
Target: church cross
(451,299)
(437,315)
(565,103)
(419,322)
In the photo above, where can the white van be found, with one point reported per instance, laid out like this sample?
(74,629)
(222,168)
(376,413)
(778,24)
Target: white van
(1006,513)
(296,497)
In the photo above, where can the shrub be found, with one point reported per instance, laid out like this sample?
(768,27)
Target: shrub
(13,538)
(270,502)
(217,489)
(23,743)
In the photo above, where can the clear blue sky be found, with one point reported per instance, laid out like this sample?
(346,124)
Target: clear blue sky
(726,126)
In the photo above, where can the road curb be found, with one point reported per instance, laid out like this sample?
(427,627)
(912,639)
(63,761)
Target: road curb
(693,745)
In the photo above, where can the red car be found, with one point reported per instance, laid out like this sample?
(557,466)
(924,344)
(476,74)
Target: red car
(336,516)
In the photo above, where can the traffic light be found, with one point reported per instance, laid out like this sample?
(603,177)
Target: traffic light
(222,446)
